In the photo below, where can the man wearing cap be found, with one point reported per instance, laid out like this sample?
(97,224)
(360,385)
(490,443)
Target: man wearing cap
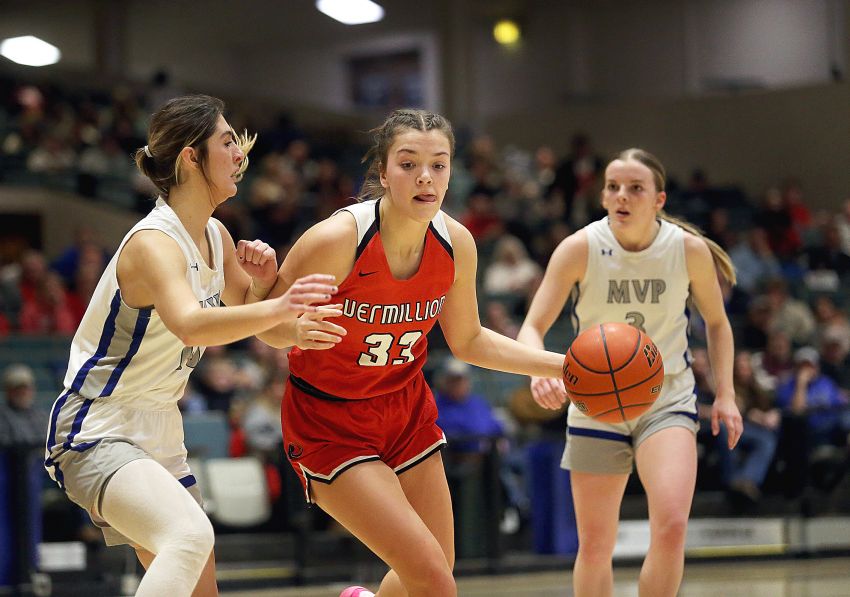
(21,424)
(811,394)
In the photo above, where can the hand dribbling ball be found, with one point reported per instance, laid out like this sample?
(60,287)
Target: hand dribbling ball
(613,372)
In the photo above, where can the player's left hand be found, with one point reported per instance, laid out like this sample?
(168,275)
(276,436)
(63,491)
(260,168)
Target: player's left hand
(725,410)
(259,261)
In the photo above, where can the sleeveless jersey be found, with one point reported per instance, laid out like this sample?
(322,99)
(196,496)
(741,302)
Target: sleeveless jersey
(386,319)
(121,356)
(648,289)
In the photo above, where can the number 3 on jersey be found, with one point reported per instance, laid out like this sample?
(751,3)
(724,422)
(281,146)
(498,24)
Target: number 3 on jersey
(380,345)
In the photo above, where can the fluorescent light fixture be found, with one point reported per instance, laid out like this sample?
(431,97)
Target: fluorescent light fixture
(351,12)
(29,51)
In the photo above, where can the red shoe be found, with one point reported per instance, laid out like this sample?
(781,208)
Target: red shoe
(357,592)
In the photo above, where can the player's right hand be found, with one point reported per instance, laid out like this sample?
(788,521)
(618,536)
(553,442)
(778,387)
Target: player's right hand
(312,332)
(549,392)
(305,292)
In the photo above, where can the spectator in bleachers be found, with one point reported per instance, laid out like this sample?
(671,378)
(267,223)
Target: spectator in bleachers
(330,189)
(471,427)
(793,199)
(828,254)
(775,217)
(828,317)
(753,333)
(717,228)
(261,421)
(21,423)
(745,468)
(577,182)
(30,274)
(790,315)
(511,271)
(463,414)
(51,156)
(50,311)
(812,395)
(86,249)
(218,380)
(754,260)
(498,318)
(481,218)
(773,365)
(297,159)
(835,355)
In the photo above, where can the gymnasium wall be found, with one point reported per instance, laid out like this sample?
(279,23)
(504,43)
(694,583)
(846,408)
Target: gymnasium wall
(61,213)
(753,139)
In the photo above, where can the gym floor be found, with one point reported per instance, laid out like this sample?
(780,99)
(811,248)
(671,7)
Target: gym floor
(827,577)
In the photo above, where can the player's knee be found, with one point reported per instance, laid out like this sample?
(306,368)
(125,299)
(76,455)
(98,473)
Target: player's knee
(436,580)
(670,530)
(596,548)
(432,575)
(195,542)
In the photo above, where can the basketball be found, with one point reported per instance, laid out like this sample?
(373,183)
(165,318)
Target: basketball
(613,372)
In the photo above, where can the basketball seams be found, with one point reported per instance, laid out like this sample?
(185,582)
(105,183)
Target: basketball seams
(578,362)
(631,387)
(631,358)
(610,369)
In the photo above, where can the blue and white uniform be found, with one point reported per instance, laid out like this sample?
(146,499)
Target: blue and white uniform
(126,370)
(650,290)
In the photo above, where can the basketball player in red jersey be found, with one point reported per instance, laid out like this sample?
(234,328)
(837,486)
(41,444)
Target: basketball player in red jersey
(359,421)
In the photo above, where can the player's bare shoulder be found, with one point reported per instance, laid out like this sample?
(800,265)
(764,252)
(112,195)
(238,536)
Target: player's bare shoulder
(328,246)
(458,233)
(696,249)
(570,256)
(698,257)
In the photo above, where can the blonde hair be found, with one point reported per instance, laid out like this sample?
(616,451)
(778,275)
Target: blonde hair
(186,121)
(722,261)
(383,137)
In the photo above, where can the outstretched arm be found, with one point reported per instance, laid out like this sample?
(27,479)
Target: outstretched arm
(462,328)
(329,247)
(152,271)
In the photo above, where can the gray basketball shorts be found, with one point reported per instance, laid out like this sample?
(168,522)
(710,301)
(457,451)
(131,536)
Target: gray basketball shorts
(87,473)
(594,447)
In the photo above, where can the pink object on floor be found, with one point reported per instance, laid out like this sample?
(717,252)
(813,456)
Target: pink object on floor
(356,592)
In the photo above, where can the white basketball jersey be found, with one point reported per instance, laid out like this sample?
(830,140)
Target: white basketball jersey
(128,356)
(648,289)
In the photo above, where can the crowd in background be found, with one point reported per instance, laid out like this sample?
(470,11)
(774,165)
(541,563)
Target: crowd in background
(789,310)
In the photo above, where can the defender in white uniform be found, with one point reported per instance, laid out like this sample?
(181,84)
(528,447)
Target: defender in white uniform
(648,289)
(127,370)
(641,267)
(115,438)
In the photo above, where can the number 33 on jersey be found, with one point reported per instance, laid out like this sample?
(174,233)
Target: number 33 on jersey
(386,319)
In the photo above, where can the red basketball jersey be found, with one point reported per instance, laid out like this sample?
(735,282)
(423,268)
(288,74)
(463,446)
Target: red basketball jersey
(386,319)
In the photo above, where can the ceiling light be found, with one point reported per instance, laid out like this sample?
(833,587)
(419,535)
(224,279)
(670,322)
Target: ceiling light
(351,12)
(506,32)
(29,51)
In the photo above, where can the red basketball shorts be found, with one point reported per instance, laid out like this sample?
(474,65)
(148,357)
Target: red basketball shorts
(324,436)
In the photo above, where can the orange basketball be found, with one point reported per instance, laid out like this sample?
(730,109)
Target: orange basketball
(613,372)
